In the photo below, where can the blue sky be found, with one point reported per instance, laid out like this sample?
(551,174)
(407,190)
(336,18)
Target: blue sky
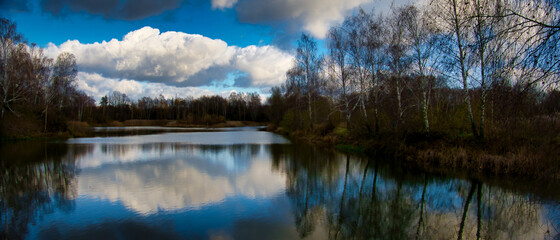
(177,47)
(42,27)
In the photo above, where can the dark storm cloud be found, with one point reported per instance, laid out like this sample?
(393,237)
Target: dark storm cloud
(112,9)
(56,7)
(255,11)
(138,9)
(15,5)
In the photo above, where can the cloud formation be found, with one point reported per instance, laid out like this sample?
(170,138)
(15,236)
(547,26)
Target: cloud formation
(115,9)
(176,59)
(97,86)
(313,16)
(223,4)
(122,173)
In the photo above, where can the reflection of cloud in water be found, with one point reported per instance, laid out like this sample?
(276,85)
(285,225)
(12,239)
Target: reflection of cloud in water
(231,157)
(170,177)
(203,138)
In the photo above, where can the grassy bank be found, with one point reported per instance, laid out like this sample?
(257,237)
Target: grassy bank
(535,155)
(177,123)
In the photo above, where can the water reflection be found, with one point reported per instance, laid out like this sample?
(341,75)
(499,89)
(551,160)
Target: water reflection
(35,180)
(359,199)
(251,185)
(176,177)
(199,138)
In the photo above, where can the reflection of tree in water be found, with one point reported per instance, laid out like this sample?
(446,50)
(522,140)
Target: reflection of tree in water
(367,211)
(42,180)
(307,182)
(360,199)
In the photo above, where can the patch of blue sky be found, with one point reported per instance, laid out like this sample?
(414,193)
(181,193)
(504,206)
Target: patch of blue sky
(198,18)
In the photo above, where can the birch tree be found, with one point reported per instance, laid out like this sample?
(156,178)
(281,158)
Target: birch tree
(338,70)
(308,64)
(355,28)
(399,61)
(375,57)
(451,17)
(421,34)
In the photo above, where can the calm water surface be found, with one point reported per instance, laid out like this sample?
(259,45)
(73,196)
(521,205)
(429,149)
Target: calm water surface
(248,184)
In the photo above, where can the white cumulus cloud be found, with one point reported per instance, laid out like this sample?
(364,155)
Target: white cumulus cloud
(177,59)
(261,63)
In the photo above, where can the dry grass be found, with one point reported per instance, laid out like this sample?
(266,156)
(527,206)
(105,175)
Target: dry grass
(230,124)
(14,127)
(77,129)
(141,122)
(519,162)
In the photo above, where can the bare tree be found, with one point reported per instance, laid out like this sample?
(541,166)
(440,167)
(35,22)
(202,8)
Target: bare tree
(308,64)
(451,16)
(537,24)
(60,85)
(421,34)
(375,57)
(339,72)
(399,61)
(9,39)
(487,48)
(355,28)
(65,72)
(20,79)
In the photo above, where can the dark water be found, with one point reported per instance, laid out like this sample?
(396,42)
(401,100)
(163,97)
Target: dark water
(251,185)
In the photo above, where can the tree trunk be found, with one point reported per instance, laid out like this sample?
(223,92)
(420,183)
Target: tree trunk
(482,110)
(479,211)
(46,116)
(309,87)
(466,211)
(341,212)
(481,53)
(348,115)
(374,185)
(399,103)
(375,103)
(422,199)
(425,112)
(310,109)
(363,96)
(464,73)
(4,80)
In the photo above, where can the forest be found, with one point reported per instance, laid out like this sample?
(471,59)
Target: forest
(461,84)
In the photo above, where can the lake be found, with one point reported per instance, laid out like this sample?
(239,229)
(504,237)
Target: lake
(241,183)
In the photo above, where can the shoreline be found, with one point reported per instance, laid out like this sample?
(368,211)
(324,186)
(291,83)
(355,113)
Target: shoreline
(439,153)
(84,129)
(434,153)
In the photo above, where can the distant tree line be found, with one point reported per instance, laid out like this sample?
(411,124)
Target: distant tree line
(202,110)
(459,67)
